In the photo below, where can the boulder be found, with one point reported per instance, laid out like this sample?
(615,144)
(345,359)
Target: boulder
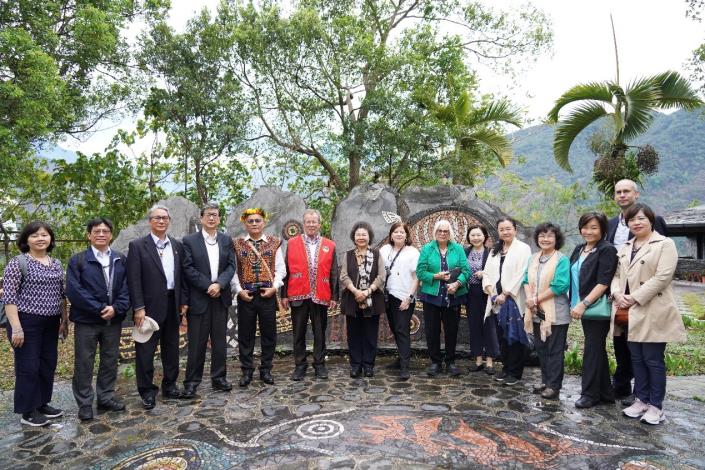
(185,219)
(284,210)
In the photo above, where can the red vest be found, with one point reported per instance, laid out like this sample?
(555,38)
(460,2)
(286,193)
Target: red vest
(309,282)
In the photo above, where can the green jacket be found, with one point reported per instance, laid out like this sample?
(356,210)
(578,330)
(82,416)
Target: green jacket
(430,263)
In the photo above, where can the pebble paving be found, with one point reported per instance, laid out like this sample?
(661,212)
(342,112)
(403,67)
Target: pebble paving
(368,423)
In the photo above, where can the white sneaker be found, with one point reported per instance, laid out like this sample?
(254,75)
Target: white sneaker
(653,416)
(636,410)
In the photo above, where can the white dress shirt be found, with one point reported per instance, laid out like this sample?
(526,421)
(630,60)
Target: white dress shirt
(621,236)
(103,257)
(166,255)
(213,253)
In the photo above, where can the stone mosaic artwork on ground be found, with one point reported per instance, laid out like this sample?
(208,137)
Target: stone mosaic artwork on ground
(469,422)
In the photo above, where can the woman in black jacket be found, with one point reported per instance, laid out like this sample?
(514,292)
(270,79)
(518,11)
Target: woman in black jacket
(593,265)
(483,333)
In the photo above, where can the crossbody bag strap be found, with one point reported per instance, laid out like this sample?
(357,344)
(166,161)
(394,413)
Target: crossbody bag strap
(280,307)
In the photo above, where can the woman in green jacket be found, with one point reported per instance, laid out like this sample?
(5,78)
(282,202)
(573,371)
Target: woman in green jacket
(443,271)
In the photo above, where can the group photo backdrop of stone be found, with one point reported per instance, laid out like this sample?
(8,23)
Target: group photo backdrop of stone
(376,204)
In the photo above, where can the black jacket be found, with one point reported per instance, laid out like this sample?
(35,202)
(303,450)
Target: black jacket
(147,282)
(598,267)
(88,293)
(659,226)
(197,271)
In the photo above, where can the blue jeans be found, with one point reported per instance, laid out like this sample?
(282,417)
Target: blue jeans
(649,372)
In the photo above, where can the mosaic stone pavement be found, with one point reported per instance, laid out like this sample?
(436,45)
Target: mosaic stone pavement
(380,422)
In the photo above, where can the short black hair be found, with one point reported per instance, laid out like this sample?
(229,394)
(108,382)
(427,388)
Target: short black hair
(480,227)
(29,229)
(636,208)
(594,215)
(395,226)
(550,227)
(363,225)
(210,205)
(98,221)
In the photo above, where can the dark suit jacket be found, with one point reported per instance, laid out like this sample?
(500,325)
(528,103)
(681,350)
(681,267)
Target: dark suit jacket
(197,271)
(146,280)
(597,268)
(659,226)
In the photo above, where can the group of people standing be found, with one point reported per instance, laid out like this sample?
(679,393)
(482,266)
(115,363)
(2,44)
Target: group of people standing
(623,269)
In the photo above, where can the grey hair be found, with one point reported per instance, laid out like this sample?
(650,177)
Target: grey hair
(210,205)
(441,222)
(157,207)
(315,212)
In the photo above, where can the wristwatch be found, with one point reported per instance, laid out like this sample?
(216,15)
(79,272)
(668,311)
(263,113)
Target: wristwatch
(411,297)
(586,302)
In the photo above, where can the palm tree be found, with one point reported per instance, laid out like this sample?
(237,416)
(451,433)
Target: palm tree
(471,128)
(630,108)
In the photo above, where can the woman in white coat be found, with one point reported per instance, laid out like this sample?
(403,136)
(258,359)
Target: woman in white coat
(502,282)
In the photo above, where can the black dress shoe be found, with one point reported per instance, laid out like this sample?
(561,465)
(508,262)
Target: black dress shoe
(585,402)
(404,373)
(223,385)
(321,372)
(245,380)
(628,401)
(538,388)
(550,394)
(111,405)
(476,367)
(148,402)
(266,377)
(173,393)
(299,373)
(85,413)
(452,370)
(433,370)
(356,372)
(189,392)
(369,372)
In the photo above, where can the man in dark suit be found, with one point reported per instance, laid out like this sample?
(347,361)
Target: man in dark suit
(155,282)
(96,285)
(209,266)
(625,195)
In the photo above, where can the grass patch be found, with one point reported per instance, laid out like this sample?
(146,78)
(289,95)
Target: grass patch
(695,305)
(64,368)
(681,359)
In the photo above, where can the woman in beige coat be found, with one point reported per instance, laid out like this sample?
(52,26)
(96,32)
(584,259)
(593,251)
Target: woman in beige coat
(642,284)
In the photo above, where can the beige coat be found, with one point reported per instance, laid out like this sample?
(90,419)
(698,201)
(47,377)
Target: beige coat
(654,318)
(513,269)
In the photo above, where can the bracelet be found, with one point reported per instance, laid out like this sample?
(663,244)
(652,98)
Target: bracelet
(19,332)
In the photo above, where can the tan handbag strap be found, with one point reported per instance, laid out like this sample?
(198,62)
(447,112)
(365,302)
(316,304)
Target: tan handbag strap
(280,307)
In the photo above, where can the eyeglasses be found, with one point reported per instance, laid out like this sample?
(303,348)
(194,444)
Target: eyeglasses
(211,216)
(160,218)
(442,231)
(101,231)
(254,221)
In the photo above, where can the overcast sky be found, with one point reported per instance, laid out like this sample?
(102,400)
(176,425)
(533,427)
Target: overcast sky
(652,36)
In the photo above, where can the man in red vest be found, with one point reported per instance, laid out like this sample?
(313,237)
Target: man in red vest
(310,287)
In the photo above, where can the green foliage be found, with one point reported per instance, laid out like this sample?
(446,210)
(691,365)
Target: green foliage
(695,305)
(204,123)
(574,360)
(63,67)
(335,84)
(631,109)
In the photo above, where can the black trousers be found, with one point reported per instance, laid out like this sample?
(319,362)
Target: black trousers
(483,333)
(513,357)
(596,382)
(263,310)
(212,323)
(623,375)
(35,361)
(433,317)
(551,355)
(362,340)
(168,339)
(319,321)
(87,337)
(400,324)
